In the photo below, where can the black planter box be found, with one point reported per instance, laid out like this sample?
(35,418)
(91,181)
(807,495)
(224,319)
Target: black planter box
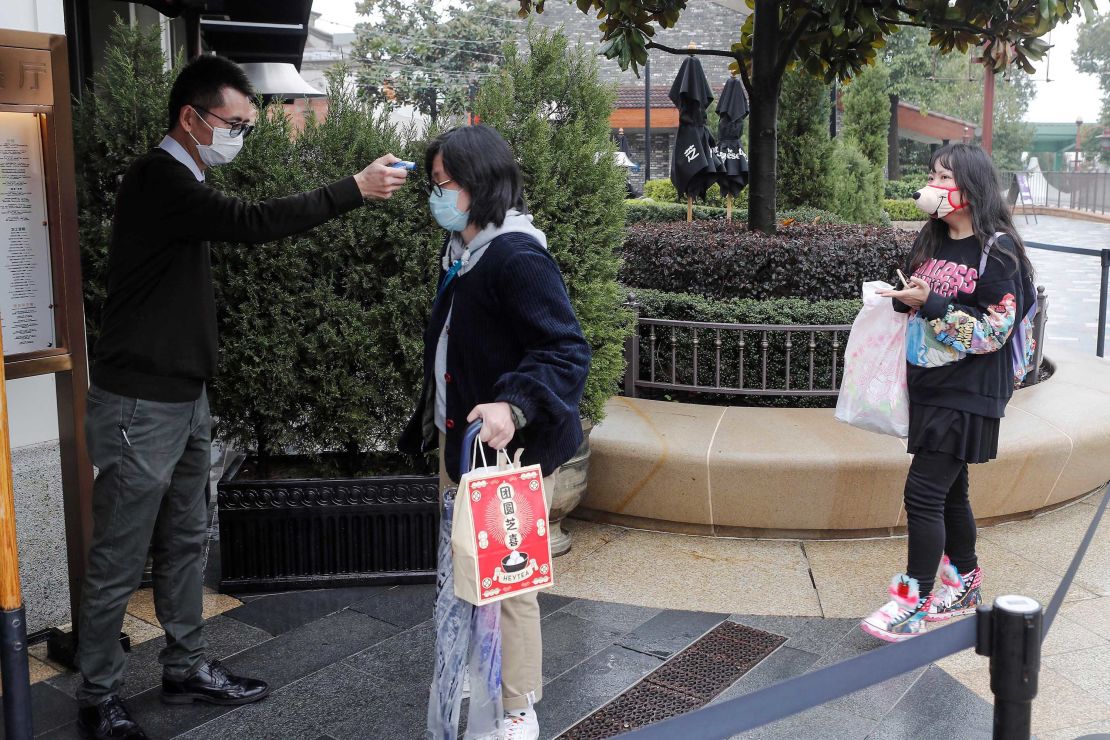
(312,533)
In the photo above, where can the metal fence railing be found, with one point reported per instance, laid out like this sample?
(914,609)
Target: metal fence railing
(712,358)
(1083,191)
(1104,286)
(735,359)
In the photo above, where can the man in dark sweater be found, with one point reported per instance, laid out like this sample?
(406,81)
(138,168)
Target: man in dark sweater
(147,422)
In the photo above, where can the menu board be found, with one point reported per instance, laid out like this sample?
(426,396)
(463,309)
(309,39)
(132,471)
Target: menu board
(26,290)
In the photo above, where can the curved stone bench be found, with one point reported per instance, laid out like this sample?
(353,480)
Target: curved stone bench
(778,472)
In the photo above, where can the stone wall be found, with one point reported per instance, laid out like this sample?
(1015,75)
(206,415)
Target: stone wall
(40,532)
(661,143)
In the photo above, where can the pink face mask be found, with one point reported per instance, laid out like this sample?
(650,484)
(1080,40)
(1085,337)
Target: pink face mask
(936,200)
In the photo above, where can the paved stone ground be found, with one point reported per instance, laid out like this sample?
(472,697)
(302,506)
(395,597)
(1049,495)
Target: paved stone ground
(1071,281)
(355,663)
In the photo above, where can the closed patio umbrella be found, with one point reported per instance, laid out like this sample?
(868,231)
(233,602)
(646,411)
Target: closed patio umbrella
(694,163)
(732,107)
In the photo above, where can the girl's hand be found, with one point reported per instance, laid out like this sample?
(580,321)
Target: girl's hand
(913,296)
(497,423)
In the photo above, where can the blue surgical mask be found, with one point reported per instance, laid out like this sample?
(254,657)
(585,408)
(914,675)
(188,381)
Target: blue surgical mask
(445,210)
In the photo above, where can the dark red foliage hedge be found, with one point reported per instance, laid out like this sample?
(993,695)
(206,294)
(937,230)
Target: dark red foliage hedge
(722,260)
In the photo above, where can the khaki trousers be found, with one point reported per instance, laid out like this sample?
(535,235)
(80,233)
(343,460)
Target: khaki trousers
(521,646)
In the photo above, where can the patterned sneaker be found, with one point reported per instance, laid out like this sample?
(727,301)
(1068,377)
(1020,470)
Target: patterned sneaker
(903,616)
(958,594)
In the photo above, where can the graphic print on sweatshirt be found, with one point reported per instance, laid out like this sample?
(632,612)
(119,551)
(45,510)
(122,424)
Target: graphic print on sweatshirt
(963,329)
(947,278)
(977,334)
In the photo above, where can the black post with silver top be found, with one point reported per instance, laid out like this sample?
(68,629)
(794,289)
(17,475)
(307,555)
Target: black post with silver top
(1010,633)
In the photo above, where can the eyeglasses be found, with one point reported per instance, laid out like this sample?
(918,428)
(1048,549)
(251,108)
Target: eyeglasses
(435,188)
(238,128)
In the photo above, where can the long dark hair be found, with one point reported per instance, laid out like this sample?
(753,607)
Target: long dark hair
(977,180)
(481,162)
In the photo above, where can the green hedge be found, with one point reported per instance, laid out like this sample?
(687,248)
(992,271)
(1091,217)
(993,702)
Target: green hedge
(647,211)
(807,215)
(688,307)
(663,190)
(650,211)
(722,260)
(902,210)
(904,188)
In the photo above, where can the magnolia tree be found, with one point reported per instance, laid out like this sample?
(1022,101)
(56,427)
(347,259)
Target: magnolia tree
(420,53)
(829,39)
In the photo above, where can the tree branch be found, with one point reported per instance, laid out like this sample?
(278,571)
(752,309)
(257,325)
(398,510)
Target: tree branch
(745,78)
(968,27)
(699,52)
(897,6)
(792,42)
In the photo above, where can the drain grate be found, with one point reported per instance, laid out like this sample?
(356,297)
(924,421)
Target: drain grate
(643,704)
(686,682)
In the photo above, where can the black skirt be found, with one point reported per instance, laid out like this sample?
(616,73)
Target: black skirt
(965,436)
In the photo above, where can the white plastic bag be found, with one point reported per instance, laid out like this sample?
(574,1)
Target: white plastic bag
(873,393)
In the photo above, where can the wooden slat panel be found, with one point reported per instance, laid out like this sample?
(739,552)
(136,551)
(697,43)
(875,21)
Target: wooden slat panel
(634,118)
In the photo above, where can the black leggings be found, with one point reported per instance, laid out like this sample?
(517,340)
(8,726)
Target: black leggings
(938,516)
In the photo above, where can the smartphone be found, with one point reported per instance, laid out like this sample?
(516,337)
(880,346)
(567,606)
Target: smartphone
(902,277)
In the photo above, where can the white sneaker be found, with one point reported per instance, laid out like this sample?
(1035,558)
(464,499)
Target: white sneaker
(519,725)
(522,724)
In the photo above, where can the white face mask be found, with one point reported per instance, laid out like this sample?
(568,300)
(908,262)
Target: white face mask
(224,146)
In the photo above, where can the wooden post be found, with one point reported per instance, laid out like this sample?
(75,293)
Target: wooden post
(13,629)
(728,208)
(689,208)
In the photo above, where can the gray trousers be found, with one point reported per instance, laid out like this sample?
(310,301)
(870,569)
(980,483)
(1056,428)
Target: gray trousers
(154,460)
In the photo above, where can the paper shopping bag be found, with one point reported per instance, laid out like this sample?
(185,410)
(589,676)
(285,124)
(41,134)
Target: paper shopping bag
(499,536)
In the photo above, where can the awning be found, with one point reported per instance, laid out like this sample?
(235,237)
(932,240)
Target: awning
(280,80)
(249,31)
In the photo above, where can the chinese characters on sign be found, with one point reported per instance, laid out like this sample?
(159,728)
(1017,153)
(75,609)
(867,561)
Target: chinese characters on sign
(26,290)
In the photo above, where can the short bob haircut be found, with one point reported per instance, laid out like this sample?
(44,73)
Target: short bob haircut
(201,83)
(480,161)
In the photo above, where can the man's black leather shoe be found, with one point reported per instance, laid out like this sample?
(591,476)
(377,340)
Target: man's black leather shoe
(213,684)
(108,720)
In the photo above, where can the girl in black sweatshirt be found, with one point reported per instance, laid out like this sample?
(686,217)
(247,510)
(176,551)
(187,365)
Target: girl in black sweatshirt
(964,310)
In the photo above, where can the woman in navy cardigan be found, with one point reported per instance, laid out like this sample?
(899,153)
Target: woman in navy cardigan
(502,345)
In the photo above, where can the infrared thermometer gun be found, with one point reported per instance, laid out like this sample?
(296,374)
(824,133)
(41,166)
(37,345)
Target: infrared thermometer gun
(410,166)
